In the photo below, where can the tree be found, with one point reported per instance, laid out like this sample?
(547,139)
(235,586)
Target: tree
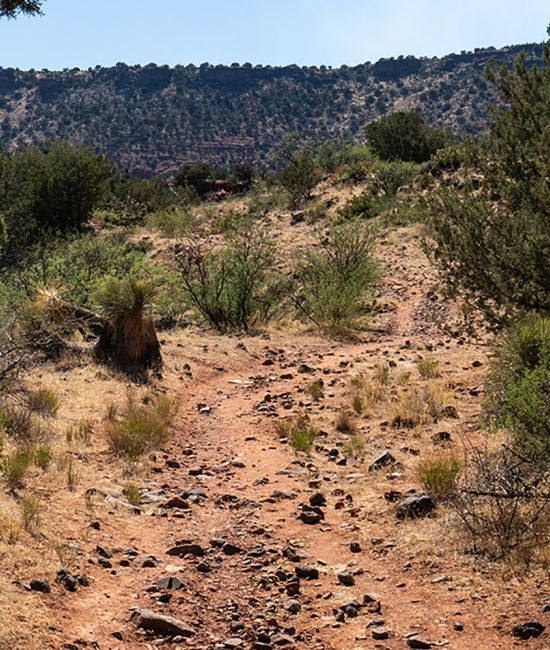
(10,8)
(298,172)
(405,136)
(492,243)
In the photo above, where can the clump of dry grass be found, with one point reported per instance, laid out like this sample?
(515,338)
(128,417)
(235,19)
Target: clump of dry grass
(345,422)
(428,368)
(316,389)
(355,446)
(132,492)
(299,432)
(30,508)
(438,475)
(140,427)
(43,401)
(420,405)
(14,467)
(80,433)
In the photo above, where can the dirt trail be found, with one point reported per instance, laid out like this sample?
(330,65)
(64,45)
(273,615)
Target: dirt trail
(251,487)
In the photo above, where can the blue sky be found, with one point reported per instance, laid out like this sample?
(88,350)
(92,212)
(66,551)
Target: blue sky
(84,33)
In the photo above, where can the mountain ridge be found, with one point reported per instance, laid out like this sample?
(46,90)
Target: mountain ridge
(151,119)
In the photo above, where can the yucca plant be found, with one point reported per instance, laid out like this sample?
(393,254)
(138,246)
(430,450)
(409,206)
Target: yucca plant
(129,339)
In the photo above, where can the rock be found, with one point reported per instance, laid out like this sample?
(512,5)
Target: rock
(186,548)
(297,217)
(103,552)
(305,369)
(528,630)
(307,572)
(176,502)
(317,499)
(441,436)
(385,458)
(117,635)
(282,640)
(42,586)
(104,563)
(233,642)
(355,547)
(149,562)
(145,619)
(418,642)
(457,626)
(380,633)
(171,582)
(415,506)
(231,549)
(449,411)
(292,606)
(70,580)
(203,567)
(345,578)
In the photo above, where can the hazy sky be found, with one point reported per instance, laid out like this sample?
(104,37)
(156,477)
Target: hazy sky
(84,33)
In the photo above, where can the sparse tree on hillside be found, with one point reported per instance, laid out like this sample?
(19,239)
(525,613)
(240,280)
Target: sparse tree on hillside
(298,172)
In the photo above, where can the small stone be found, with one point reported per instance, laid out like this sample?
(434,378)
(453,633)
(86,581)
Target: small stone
(345,578)
(203,567)
(149,562)
(231,549)
(186,548)
(307,572)
(457,626)
(145,619)
(528,630)
(176,502)
(171,582)
(355,547)
(415,506)
(292,606)
(380,633)
(418,642)
(385,458)
(233,642)
(42,586)
(317,499)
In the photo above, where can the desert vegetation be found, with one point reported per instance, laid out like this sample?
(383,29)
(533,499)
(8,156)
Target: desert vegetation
(268,388)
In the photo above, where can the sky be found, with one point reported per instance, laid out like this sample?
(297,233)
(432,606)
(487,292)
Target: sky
(84,33)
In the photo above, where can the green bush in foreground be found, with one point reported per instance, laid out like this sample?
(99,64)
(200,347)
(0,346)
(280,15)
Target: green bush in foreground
(518,389)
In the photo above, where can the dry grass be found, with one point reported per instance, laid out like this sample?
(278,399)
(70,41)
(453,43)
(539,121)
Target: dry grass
(44,402)
(345,422)
(439,475)
(316,389)
(14,468)
(299,432)
(428,368)
(140,427)
(420,405)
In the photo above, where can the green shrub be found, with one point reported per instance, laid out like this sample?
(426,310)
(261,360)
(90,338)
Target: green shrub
(14,467)
(233,287)
(43,401)
(298,171)
(336,282)
(438,475)
(42,456)
(404,136)
(170,221)
(132,492)
(139,428)
(518,387)
(490,235)
(366,205)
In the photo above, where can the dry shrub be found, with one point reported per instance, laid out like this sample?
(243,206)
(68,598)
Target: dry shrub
(316,389)
(14,467)
(428,368)
(345,422)
(140,427)
(503,505)
(438,475)
(422,404)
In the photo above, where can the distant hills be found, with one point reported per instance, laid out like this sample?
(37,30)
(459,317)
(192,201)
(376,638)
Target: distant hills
(151,119)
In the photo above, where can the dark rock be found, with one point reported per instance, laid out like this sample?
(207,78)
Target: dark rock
(233,642)
(145,619)
(171,582)
(380,633)
(418,642)
(95,525)
(457,626)
(172,464)
(176,502)
(231,549)
(307,572)
(345,578)
(441,436)
(104,563)
(204,567)
(305,369)
(40,585)
(186,548)
(292,606)
(415,506)
(103,552)
(385,458)
(282,640)
(149,562)
(118,636)
(528,630)
(70,580)
(355,547)
(317,499)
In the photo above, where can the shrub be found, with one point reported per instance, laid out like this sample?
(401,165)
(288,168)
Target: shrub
(81,433)
(129,339)
(503,505)
(18,423)
(491,242)
(366,205)
(233,287)
(438,475)
(52,190)
(404,136)
(316,389)
(72,474)
(336,282)
(139,428)
(171,221)
(43,456)
(30,513)
(299,432)
(14,467)
(518,387)
(132,492)
(43,401)
(298,171)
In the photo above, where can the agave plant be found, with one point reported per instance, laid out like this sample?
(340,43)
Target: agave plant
(129,339)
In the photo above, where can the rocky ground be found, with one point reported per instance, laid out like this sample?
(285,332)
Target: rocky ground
(241,542)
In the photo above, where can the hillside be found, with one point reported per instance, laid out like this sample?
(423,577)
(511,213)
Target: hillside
(153,118)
